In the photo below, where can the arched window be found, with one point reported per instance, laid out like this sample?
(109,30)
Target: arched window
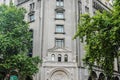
(93,76)
(59,58)
(101,76)
(109,78)
(53,57)
(28,78)
(116,78)
(66,58)
(89,78)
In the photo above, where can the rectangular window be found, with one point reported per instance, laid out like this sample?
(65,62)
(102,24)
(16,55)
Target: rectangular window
(59,58)
(59,15)
(32,5)
(59,28)
(59,3)
(32,17)
(31,43)
(87,9)
(87,1)
(59,43)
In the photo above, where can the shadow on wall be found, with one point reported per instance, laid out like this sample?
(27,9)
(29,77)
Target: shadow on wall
(93,76)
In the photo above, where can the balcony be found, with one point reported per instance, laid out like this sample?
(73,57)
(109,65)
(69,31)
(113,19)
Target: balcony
(99,5)
(21,1)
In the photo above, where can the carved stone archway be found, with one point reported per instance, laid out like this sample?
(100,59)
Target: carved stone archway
(59,74)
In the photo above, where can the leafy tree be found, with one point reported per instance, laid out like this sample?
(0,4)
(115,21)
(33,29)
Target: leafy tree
(101,33)
(15,42)
(24,65)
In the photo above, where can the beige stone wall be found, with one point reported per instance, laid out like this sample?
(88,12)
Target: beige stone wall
(44,39)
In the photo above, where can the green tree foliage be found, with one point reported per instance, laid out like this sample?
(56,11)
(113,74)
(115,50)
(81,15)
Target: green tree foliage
(101,33)
(15,42)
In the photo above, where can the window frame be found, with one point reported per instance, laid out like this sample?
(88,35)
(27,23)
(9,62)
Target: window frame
(59,2)
(32,6)
(53,57)
(65,58)
(30,54)
(59,58)
(87,10)
(62,44)
(58,16)
(62,29)
(30,17)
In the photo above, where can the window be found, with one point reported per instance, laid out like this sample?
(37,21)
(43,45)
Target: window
(32,5)
(32,17)
(59,15)
(4,1)
(53,57)
(32,12)
(118,62)
(59,58)
(59,43)
(66,58)
(31,44)
(59,29)
(59,3)
(87,1)
(86,9)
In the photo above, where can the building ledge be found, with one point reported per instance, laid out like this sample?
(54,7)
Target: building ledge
(59,64)
(22,2)
(59,32)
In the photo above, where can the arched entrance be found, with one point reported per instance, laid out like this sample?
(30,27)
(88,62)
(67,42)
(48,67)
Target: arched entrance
(101,76)
(93,76)
(116,78)
(59,75)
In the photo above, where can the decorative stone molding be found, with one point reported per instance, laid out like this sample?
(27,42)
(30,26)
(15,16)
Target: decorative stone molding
(52,55)
(59,50)
(63,72)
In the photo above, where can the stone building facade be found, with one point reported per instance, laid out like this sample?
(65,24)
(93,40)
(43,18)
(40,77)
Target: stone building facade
(54,23)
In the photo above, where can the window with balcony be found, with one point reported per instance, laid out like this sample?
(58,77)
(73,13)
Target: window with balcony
(59,29)
(59,43)
(59,3)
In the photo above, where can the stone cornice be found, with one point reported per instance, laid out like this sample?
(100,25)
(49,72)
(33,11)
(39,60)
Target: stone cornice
(59,50)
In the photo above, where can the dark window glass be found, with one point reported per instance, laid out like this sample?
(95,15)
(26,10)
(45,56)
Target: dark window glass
(66,58)
(59,43)
(31,44)
(59,58)
(32,5)
(32,17)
